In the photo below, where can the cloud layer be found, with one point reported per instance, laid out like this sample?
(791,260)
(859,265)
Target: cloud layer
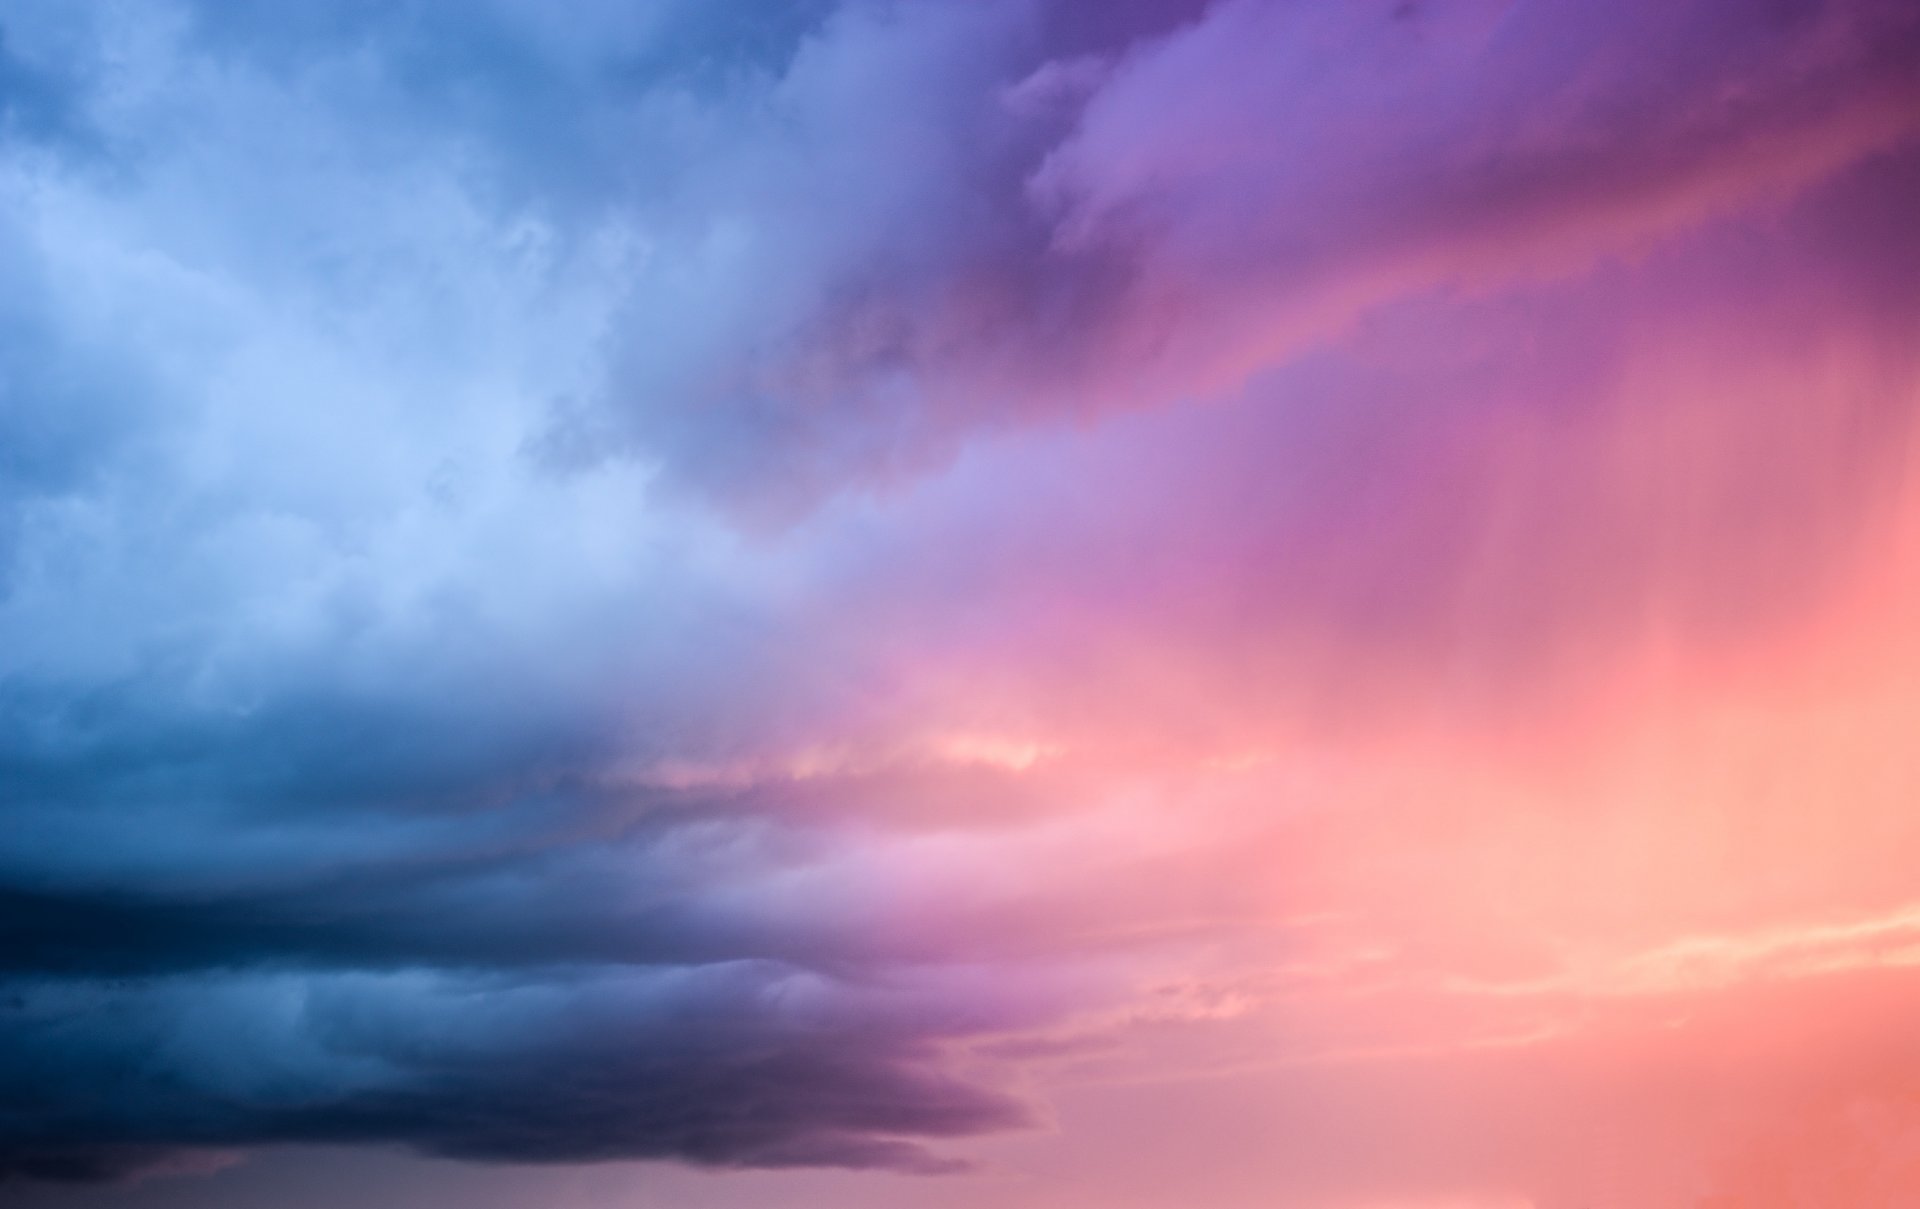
(788,584)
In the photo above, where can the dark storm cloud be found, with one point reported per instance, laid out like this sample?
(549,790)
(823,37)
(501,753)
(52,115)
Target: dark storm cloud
(365,924)
(379,919)
(747,1063)
(470,954)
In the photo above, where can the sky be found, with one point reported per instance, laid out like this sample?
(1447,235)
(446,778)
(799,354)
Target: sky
(933,604)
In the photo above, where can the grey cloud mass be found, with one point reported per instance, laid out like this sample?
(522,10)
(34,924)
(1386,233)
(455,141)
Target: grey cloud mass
(344,619)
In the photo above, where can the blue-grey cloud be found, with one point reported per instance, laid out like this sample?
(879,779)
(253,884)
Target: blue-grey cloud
(330,703)
(742,1063)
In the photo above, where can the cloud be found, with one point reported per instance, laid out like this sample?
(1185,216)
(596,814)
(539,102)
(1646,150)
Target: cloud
(735,1064)
(1044,232)
(1274,171)
(328,708)
(638,583)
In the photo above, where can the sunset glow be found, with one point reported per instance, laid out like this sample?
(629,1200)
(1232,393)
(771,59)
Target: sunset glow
(1146,604)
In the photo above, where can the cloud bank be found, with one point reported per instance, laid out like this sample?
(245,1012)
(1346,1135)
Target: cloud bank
(760,584)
